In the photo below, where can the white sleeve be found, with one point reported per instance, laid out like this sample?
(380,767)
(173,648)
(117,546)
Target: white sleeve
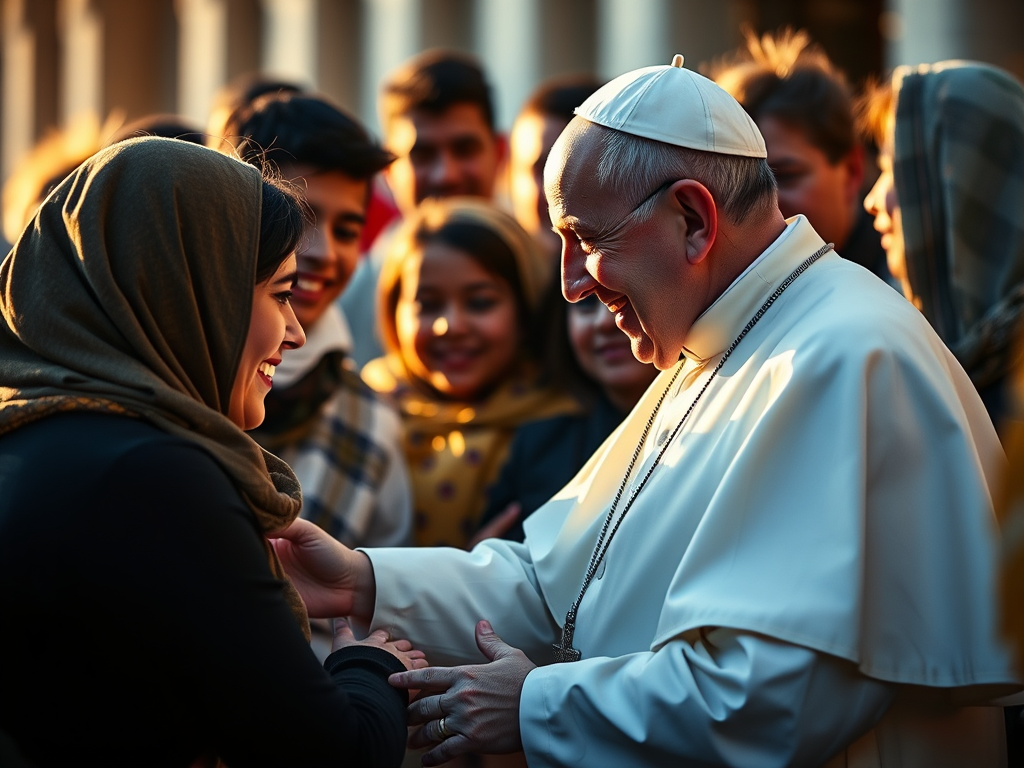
(436,595)
(728,699)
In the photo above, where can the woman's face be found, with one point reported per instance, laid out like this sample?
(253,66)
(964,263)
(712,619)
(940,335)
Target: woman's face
(273,328)
(881,203)
(604,353)
(457,324)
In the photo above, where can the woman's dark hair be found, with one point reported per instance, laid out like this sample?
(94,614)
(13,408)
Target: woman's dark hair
(283,219)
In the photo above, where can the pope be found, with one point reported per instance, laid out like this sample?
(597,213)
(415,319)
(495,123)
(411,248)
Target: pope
(784,556)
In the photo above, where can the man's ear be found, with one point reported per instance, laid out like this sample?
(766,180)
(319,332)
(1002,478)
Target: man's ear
(700,214)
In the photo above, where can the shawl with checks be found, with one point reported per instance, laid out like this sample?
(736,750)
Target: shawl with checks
(958,166)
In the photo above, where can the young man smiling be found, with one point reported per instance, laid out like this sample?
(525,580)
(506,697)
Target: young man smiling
(336,433)
(803,107)
(437,114)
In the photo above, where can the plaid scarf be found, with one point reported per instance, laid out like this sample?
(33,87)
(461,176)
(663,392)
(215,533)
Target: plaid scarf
(958,165)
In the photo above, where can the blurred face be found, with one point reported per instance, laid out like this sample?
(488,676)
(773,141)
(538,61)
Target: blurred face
(881,203)
(810,184)
(444,155)
(330,248)
(604,353)
(457,324)
(273,328)
(637,269)
(531,140)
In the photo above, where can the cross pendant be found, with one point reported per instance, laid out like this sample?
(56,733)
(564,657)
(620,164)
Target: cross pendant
(564,650)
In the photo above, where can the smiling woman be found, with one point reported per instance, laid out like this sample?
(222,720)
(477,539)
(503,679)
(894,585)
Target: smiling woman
(947,204)
(143,313)
(458,297)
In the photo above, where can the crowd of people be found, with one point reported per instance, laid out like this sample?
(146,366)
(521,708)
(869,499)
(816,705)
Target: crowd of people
(665,431)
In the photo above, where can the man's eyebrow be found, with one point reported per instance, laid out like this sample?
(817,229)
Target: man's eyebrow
(568,222)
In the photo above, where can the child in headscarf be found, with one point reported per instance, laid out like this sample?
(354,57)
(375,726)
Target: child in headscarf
(949,205)
(144,310)
(457,300)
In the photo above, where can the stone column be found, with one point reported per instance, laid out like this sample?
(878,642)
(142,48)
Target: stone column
(926,31)
(391,36)
(18,123)
(508,43)
(202,55)
(631,34)
(290,40)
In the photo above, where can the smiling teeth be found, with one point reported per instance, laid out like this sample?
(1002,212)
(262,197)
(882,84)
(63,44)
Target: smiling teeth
(306,284)
(268,370)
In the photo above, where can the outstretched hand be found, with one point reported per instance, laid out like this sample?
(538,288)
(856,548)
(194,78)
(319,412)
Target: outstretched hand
(332,579)
(478,703)
(402,650)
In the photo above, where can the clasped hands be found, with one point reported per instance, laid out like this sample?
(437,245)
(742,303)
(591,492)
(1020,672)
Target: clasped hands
(470,708)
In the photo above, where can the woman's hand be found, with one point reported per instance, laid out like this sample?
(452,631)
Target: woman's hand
(479,704)
(332,579)
(400,649)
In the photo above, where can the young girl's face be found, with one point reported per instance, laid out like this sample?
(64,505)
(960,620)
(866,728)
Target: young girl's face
(457,323)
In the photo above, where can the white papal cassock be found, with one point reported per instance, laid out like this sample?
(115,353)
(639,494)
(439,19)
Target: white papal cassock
(807,577)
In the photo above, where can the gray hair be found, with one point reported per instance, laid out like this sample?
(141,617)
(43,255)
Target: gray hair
(634,166)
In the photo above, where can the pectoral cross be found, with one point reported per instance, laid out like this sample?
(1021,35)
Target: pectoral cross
(564,650)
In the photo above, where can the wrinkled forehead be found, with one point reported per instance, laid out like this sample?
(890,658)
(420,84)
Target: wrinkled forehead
(571,164)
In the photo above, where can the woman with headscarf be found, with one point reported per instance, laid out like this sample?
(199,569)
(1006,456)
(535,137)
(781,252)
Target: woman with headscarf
(950,206)
(143,311)
(458,298)
(949,203)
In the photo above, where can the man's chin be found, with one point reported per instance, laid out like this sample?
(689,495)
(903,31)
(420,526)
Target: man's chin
(644,351)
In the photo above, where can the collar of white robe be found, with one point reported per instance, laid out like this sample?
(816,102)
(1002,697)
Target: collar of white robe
(563,649)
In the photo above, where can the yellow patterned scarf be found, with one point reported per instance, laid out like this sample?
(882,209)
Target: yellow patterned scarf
(455,450)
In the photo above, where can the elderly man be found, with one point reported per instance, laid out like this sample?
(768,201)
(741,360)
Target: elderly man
(783,557)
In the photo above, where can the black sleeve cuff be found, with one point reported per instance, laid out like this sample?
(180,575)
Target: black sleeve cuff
(365,657)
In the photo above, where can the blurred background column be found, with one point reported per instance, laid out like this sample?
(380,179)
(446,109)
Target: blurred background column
(509,32)
(18,126)
(391,34)
(925,31)
(202,55)
(290,40)
(81,36)
(632,34)
(139,61)
(341,51)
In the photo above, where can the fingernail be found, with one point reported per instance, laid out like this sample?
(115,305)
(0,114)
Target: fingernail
(486,628)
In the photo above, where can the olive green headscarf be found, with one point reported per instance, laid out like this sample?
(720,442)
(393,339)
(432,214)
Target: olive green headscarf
(131,292)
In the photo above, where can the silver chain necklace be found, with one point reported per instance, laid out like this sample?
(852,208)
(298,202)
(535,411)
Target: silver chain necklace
(564,650)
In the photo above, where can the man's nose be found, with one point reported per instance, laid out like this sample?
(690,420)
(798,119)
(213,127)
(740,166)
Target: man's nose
(577,282)
(445,171)
(314,245)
